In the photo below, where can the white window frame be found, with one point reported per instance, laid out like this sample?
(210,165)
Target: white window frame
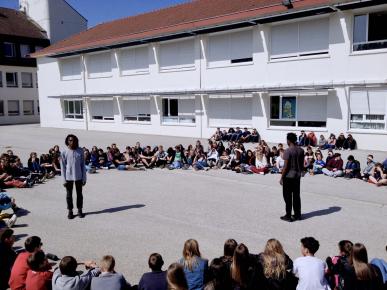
(364,119)
(73,115)
(180,119)
(93,118)
(14,113)
(13,50)
(138,118)
(31,112)
(298,54)
(30,85)
(295,119)
(15,82)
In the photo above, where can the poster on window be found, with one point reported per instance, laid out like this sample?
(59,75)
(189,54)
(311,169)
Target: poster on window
(288,107)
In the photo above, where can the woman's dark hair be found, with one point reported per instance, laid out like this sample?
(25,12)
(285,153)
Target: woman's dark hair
(176,278)
(311,244)
(229,247)
(155,262)
(75,142)
(218,274)
(240,265)
(68,266)
(351,158)
(32,243)
(36,261)
(345,247)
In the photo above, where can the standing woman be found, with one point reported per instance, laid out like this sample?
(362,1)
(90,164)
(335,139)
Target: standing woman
(73,171)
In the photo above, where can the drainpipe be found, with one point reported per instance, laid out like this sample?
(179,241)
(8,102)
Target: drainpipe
(84,92)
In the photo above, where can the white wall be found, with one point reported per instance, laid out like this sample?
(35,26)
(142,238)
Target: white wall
(56,17)
(337,69)
(19,93)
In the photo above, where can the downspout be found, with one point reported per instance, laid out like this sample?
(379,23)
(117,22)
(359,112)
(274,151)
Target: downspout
(84,92)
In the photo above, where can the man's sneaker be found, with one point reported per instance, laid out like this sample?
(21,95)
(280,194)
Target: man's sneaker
(81,214)
(286,218)
(70,215)
(12,221)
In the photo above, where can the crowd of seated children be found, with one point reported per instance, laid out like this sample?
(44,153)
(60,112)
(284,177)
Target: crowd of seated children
(236,269)
(236,135)
(339,143)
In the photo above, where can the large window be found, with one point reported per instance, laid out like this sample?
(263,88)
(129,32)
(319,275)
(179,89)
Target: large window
(9,49)
(230,48)
(102,110)
(1,108)
(179,110)
(230,110)
(369,31)
(177,55)
(11,78)
(73,109)
(26,80)
(136,109)
(13,108)
(28,107)
(70,68)
(99,65)
(25,50)
(134,60)
(300,39)
(298,111)
(368,109)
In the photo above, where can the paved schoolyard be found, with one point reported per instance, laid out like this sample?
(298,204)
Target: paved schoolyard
(132,214)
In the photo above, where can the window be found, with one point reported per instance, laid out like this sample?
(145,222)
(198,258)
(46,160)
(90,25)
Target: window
(13,108)
(9,49)
(73,109)
(26,80)
(136,109)
(25,50)
(28,107)
(230,110)
(134,61)
(229,48)
(11,78)
(70,68)
(368,109)
(300,39)
(1,108)
(369,31)
(99,65)
(298,111)
(179,110)
(102,110)
(177,54)
(1,79)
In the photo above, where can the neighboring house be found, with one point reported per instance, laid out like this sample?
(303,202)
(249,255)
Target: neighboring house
(21,34)
(317,65)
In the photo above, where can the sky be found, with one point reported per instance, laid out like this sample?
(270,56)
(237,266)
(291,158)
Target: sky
(99,11)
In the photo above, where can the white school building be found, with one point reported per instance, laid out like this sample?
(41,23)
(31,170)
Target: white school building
(313,65)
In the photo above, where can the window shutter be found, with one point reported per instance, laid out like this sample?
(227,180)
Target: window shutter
(312,108)
(241,110)
(70,68)
(359,102)
(377,102)
(99,65)
(314,35)
(241,44)
(284,40)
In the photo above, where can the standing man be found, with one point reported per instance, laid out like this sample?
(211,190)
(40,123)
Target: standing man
(73,171)
(291,178)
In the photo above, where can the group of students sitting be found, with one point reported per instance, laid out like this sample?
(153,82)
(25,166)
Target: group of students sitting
(14,174)
(339,143)
(236,269)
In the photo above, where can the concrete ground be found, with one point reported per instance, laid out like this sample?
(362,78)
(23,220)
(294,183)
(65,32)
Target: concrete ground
(133,214)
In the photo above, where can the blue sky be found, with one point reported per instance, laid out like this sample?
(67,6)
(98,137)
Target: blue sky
(98,11)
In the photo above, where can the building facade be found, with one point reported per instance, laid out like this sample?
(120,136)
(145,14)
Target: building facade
(315,67)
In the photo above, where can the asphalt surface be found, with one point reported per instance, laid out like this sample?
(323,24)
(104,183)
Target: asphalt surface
(133,214)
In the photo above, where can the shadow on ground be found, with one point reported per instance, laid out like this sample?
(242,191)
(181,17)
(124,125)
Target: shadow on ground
(115,209)
(321,212)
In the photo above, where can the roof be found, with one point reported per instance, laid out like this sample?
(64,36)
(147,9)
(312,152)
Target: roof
(16,23)
(176,19)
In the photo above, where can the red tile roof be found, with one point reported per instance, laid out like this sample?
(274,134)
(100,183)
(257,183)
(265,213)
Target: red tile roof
(16,23)
(184,17)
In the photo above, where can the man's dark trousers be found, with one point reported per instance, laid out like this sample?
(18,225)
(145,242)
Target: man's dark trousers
(69,197)
(291,193)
